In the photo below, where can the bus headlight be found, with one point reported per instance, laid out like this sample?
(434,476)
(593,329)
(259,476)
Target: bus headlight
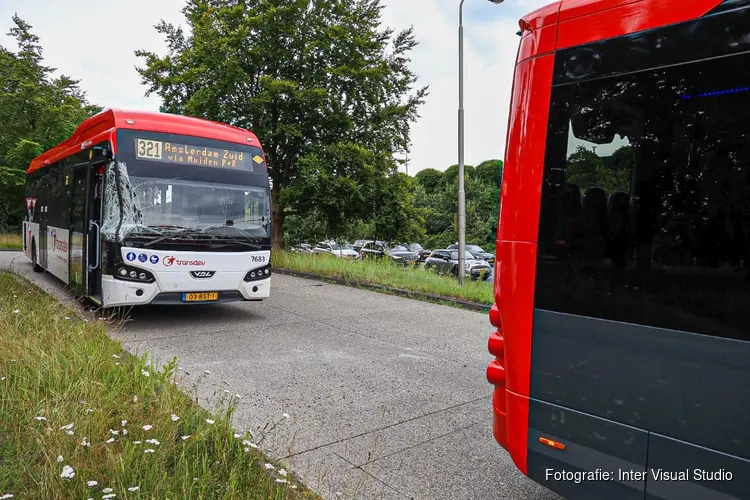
(258,274)
(126,273)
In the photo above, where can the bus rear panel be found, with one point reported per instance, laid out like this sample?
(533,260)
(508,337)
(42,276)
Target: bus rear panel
(622,294)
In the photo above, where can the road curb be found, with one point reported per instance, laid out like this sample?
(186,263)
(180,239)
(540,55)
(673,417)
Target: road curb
(426,297)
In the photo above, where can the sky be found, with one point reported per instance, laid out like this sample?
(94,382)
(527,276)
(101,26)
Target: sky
(94,41)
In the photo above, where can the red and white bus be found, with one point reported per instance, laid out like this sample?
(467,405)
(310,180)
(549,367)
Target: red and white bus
(622,293)
(150,208)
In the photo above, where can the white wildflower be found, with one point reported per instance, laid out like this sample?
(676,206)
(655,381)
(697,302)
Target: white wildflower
(116,356)
(124,423)
(89,410)
(66,427)
(124,432)
(281,480)
(237,396)
(69,433)
(149,450)
(145,373)
(85,442)
(185,437)
(195,479)
(285,415)
(68,472)
(247,449)
(153,441)
(175,418)
(134,488)
(67,317)
(16,311)
(60,459)
(237,436)
(136,442)
(135,399)
(40,418)
(179,368)
(269,466)
(1,379)
(282,472)
(107,490)
(117,364)
(294,486)
(7,495)
(147,427)
(110,440)
(114,432)
(207,372)
(91,484)
(111,495)
(209,421)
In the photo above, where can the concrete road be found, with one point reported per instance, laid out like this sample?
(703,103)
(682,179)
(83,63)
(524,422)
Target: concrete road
(387,396)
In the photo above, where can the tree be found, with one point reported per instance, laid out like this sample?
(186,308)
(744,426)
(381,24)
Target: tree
(429,179)
(312,78)
(37,110)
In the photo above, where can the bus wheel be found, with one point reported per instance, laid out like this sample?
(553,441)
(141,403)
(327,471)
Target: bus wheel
(34,262)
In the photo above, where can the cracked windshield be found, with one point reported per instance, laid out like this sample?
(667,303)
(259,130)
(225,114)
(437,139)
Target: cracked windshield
(181,204)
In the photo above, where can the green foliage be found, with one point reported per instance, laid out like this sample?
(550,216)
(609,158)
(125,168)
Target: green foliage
(587,169)
(358,272)
(37,110)
(68,390)
(436,198)
(327,91)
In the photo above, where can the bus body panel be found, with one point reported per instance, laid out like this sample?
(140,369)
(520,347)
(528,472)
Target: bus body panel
(172,275)
(620,396)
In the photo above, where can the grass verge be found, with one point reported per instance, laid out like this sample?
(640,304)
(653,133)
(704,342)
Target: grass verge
(80,418)
(383,273)
(10,242)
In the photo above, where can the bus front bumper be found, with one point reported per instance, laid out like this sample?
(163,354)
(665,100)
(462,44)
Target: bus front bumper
(125,293)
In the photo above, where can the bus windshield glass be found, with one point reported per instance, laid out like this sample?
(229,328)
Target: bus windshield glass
(168,185)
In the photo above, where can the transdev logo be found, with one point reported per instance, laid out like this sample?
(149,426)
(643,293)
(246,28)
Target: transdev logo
(169,261)
(59,245)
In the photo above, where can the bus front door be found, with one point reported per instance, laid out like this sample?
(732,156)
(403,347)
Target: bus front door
(85,224)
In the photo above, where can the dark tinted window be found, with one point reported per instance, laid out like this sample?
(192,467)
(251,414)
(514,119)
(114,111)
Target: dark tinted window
(646,199)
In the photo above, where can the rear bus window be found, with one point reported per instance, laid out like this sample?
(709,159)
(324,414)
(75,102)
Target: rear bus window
(645,214)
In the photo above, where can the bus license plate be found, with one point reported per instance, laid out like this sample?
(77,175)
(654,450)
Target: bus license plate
(200,297)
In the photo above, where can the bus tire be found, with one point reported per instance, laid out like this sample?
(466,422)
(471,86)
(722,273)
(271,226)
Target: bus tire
(34,259)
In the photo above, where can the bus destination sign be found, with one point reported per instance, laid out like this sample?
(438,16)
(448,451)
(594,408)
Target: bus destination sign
(190,154)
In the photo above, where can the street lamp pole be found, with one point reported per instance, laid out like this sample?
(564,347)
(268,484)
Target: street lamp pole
(461,192)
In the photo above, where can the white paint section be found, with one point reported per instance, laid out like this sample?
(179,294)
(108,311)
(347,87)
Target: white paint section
(30,233)
(165,261)
(171,271)
(58,245)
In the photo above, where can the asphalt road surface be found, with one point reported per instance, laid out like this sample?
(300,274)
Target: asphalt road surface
(387,396)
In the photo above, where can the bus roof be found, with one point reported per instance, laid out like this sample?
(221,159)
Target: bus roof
(110,120)
(579,22)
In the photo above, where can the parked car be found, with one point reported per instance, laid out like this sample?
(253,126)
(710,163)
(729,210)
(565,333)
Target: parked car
(446,262)
(477,252)
(420,250)
(396,253)
(335,249)
(305,248)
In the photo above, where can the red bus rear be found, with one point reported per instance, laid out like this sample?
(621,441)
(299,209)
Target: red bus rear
(622,290)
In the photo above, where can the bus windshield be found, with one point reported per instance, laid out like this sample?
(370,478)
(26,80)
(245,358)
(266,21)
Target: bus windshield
(169,185)
(183,203)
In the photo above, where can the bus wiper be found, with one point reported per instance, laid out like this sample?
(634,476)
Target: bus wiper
(167,236)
